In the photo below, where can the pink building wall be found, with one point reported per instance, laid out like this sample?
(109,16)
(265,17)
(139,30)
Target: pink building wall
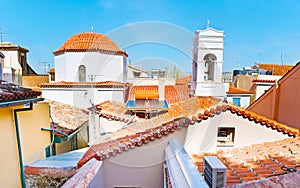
(282,101)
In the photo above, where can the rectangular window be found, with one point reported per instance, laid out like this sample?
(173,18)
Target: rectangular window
(237,101)
(225,136)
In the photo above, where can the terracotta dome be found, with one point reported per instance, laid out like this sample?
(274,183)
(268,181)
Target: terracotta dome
(89,42)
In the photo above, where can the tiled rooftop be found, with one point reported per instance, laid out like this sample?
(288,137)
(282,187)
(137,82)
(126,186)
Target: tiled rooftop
(67,118)
(184,80)
(11,46)
(181,114)
(234,90)
(89,42)
(276,69)
(264,81)
(63,84)
(12,92)
(113,110)
(256,161)
(173,94)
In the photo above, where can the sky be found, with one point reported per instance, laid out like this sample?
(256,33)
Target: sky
(157,31)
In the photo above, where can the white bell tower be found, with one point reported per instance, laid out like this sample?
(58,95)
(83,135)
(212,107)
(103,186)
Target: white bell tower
(207,63)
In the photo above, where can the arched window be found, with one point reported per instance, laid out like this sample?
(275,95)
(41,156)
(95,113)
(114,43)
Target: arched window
(81,73)
(210,63)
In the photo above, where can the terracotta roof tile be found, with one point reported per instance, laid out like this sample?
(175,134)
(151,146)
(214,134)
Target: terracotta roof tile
(255,161)
(276,69)
(181,114)
(264,81)
(173,94)
(184,80)
(66,118)
(89,42)
(114,111)
(234,90)
(12,92)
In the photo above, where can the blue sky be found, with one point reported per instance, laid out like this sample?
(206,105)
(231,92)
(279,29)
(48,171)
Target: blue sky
(256,30)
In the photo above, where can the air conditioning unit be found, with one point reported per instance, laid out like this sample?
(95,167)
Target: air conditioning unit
(214,172)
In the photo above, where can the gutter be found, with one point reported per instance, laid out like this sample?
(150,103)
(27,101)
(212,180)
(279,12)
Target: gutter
(19,102)
(19,140)
(66,136)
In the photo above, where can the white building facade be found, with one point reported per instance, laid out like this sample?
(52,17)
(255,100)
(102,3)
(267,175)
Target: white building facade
(207,63)
(89,69)
(11,66)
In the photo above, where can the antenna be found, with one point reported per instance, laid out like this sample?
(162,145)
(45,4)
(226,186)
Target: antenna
(92,29)
(46,65)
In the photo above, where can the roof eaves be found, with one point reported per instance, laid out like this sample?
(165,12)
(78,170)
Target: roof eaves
(19,102)
(111,148)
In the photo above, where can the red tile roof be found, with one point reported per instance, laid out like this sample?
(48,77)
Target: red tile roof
(234,90)
(66,118)
(256,161)
(115,111)
(173,94)
(89,42)
(63,84)
(264,81)
(184,80)
(276,69)
(180,114)
(12,92)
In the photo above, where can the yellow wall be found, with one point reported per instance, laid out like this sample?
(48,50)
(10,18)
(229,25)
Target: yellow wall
(63,147)
(82,142)
(33,141)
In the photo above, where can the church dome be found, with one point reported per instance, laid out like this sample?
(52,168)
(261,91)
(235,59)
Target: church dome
(89,42)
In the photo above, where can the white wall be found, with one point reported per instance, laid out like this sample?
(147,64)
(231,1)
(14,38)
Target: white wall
(11,61)
(105,67)
(208,41)
(141,166)
(211,89)
(245,99)
(80,97)
(261,88)
(151,81)
(202,137)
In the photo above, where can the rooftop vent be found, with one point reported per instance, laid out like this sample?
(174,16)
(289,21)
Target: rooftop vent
(214,172)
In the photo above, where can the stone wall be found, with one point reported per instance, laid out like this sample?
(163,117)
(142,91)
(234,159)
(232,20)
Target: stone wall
(35,181)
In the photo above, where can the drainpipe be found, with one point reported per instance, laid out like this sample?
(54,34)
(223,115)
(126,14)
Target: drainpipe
(19,141)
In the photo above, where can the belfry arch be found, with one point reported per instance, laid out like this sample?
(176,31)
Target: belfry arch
(210,65)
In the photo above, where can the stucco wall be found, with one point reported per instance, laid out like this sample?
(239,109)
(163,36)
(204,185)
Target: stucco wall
(289,104)
(261,89)
(104,67)
(33,141)
(141,166)
(81,97)
(281,102)
(34,80)
(202,137)
(245,100)
(82,142)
